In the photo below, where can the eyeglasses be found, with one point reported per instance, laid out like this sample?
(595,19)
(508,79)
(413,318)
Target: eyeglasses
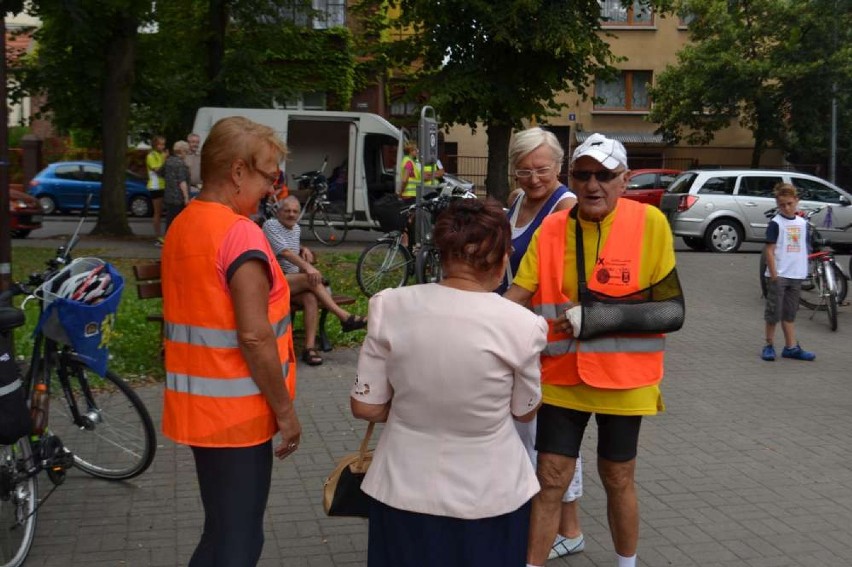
(603,176)
(271,178)
(538,172)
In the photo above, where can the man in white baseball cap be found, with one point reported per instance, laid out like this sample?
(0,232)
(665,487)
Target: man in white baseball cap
(613,372)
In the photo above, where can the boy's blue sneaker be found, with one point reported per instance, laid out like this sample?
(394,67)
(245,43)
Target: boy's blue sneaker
(798,353)
(768,353)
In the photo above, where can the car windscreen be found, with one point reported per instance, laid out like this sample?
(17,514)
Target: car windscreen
(682,183)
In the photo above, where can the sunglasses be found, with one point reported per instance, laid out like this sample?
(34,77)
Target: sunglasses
(603,176)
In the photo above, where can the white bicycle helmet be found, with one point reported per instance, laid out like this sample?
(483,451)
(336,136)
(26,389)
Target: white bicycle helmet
(90,286)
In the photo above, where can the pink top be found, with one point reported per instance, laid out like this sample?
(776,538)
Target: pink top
(246,241)
(457,365)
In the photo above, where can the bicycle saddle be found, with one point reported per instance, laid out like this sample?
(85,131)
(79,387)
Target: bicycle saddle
(11,318)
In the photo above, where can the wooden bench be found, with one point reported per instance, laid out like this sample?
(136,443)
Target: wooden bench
(148,286)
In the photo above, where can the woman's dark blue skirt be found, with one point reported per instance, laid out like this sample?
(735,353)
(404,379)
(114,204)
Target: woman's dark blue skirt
(408,539)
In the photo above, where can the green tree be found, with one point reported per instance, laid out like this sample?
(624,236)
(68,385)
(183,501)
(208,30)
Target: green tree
(245,53)
(497,62)
(85,64)
(755,62)
(99,71)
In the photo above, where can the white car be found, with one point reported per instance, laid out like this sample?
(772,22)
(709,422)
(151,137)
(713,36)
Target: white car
(719,209)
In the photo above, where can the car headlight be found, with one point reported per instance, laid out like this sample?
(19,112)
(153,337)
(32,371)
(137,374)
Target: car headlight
(18,204)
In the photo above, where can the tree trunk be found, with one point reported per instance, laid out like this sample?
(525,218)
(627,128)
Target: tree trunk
(115,102)
(497,179)
(757,151)
(216,52)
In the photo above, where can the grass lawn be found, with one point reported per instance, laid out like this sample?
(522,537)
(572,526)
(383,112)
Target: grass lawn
(135,346)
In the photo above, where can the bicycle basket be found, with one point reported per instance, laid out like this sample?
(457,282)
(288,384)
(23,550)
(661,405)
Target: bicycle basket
(79,305)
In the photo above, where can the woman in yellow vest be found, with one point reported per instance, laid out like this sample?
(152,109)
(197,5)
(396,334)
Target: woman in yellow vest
(409,171)
(230,365)
(155,161)
(626,249)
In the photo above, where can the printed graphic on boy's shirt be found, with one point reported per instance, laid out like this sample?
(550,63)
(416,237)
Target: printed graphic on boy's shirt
(794,239)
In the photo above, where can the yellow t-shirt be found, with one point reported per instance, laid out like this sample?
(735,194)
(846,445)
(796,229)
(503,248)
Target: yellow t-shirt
(658,260)
(154,161)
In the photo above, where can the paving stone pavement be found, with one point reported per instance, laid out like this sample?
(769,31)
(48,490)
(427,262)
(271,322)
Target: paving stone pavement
(748,466)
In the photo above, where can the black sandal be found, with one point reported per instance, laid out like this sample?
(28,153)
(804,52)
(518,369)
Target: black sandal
(353,323)
(311,357)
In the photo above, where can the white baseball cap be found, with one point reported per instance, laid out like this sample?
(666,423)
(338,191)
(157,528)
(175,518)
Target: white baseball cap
(609,153)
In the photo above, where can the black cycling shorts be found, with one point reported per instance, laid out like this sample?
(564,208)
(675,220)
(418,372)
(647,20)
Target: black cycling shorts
(560,431)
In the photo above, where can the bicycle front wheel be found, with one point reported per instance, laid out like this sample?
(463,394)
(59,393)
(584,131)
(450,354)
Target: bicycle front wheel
(115,438)
(428,265)
(329,224)
(382,265)
(18,503)
(813,289)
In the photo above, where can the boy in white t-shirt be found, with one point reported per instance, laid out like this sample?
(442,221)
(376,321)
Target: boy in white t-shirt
(786,268)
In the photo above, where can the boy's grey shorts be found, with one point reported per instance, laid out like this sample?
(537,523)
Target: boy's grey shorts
(782,300)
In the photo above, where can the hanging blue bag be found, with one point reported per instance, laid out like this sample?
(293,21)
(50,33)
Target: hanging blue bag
(85,323)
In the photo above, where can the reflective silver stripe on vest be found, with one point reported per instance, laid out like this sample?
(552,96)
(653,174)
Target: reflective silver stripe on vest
(604,344)
(550,311)
(624,344)
(214,338)
(215,387)
(558,348)
(9,388)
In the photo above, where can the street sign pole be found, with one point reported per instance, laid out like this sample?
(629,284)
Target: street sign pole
(427,133)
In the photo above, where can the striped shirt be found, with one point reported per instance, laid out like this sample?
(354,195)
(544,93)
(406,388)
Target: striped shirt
(282,238)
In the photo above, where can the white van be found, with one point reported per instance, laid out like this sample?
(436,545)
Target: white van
(368,145)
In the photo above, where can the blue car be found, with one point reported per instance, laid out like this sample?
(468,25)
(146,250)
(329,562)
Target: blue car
(63,186)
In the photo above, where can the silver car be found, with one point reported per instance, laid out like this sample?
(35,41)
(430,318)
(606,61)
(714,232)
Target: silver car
(719,209)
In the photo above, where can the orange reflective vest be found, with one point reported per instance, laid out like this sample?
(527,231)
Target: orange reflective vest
(211,399)
(617,362)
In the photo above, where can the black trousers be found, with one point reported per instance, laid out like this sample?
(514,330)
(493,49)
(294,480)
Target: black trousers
(234,485)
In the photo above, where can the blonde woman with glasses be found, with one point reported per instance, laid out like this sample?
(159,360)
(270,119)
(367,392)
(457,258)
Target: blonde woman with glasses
(536,159)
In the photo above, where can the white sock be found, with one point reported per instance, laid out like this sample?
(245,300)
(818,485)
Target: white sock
(626,561)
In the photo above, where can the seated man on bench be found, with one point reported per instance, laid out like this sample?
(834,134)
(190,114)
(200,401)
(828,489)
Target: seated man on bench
(306,282)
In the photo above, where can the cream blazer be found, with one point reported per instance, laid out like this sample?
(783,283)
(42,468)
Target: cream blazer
(456,365)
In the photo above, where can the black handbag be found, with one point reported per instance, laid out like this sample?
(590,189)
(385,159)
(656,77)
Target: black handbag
(342,494)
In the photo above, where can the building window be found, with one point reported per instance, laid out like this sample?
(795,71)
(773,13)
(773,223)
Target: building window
(616,13)
(329,13)
(684,20)
(400,108)
(303,101)
(629,91)
(317,14)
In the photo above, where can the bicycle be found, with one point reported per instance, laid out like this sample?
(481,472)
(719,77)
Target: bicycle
(97,424)
(389,262)
(826,285)
(326,221)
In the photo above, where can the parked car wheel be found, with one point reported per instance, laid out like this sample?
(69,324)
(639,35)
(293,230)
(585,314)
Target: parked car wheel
(695,242)
(724,235)
(140,206)
(20,233)
(48,204)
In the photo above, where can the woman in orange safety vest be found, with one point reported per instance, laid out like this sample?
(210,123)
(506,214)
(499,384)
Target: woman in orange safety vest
(230,366)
